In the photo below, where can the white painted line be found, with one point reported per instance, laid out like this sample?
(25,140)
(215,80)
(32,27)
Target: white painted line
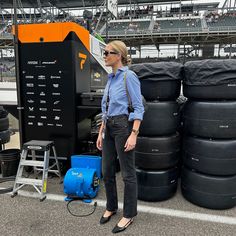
(55,197)
(152,210)
(188,215)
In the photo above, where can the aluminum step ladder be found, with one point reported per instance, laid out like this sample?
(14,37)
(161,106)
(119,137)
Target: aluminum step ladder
(40,185)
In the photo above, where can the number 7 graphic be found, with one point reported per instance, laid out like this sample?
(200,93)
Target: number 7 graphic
(83,59)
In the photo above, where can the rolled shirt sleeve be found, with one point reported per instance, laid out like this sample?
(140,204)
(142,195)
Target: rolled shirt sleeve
(103,107)
(134,89)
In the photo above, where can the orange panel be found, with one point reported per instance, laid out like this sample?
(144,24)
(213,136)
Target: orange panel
(52,32)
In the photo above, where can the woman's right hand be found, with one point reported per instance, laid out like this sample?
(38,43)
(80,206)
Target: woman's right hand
(99,142)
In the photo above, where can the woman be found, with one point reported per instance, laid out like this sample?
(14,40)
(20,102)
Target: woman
(118,133)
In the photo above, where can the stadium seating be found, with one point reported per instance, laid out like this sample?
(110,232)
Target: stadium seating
(127,27)
(179,25)
(223,22)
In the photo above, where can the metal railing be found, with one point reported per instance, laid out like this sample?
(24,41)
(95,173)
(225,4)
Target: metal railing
(171,31)
(222,28)
(6,36)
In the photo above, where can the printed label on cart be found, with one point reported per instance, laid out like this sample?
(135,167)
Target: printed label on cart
(56,85)
(43,117)
(34,147)
(194,159)
(223,126)
(56,102)
(29,76)
(30,85)
(42,77)
(55,77)
(57,117)
(32,62)
(42,94)
(155,150)
(49,62)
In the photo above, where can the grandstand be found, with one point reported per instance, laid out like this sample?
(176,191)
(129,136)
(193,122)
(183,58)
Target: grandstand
(123,27)
(196,29)
(154,30)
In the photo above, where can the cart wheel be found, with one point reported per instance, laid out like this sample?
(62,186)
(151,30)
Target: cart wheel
(13,195)
(42,199)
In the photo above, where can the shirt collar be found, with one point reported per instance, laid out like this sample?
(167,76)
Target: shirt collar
(123,68)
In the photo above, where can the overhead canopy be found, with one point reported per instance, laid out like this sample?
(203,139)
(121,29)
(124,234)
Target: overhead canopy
(74,3)
(206,6)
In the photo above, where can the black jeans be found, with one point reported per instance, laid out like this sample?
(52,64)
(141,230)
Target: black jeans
(117,131)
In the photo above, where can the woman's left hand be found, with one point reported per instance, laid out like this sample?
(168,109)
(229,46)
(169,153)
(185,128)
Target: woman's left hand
(131,142)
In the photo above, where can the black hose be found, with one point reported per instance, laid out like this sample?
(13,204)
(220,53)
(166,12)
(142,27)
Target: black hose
(6,179)
(76,215)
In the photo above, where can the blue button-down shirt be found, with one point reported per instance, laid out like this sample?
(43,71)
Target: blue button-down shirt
(118,98)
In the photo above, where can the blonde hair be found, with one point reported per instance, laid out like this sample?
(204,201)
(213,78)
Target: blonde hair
(120,47)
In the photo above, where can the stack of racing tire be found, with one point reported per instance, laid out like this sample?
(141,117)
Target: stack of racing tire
(4,127)
(209,146)
(157,150)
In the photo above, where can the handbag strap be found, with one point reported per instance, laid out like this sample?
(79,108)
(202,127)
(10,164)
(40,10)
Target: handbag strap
(127,92)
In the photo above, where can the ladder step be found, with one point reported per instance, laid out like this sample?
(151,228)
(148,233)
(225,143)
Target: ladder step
(32,163)
(29,181)
(39,163)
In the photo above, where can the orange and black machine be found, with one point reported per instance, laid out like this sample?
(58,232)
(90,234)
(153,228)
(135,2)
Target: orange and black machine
(58,64)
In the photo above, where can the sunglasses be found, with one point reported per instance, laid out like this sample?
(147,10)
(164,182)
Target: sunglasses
(106,53)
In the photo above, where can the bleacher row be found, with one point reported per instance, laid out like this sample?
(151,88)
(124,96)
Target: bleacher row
(160,25)
(222,21)
(165,25)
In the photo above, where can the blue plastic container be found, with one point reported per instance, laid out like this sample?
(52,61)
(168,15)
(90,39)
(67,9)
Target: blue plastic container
(87,161)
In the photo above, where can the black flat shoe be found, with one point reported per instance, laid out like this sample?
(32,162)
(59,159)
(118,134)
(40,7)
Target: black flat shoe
(118,229)
(104,220)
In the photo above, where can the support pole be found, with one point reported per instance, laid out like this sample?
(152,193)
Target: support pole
(19,107)
(106,21)
(230,50)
